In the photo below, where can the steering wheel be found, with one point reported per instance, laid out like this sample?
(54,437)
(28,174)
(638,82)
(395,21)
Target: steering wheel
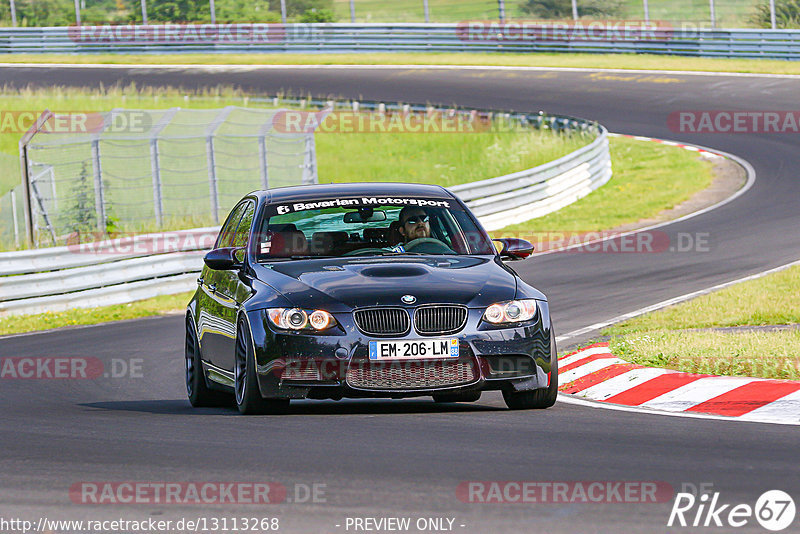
(429,244)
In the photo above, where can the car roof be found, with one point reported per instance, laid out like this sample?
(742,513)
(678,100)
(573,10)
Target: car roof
(355,189)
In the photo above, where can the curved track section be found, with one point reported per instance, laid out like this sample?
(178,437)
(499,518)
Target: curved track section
(408,458)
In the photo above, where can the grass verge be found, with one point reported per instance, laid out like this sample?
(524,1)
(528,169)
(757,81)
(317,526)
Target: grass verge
(665,338)
(591,61)
(648,179)
(165,304)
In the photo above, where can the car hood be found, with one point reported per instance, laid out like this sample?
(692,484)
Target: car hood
(340,284)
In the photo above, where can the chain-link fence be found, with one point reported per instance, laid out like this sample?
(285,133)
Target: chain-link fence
(135,171)
(678,13)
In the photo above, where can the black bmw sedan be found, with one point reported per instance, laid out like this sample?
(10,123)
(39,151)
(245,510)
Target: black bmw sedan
(364,290)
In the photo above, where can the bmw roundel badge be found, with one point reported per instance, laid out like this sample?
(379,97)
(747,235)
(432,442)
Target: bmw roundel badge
(409,299)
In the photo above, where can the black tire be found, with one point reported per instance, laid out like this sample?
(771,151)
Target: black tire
(537,398)
(468,396)
(247,395)
(200,395)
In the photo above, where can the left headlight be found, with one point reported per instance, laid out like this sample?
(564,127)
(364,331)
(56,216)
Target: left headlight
(511,311)
(300,319)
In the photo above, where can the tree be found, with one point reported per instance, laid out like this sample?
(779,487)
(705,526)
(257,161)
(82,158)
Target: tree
(787,14)
(80,217)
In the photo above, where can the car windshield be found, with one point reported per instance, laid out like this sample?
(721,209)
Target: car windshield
(368,226)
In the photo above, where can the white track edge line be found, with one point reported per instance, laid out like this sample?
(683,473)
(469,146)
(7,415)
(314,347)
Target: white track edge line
(569,399)
(391,67)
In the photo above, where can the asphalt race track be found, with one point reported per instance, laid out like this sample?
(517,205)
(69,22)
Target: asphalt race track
(407,458)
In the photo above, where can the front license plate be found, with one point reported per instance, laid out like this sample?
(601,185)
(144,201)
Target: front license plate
(413,349)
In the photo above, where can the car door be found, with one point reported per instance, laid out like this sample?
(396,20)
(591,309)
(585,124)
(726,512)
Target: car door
(212,328)
(229,289)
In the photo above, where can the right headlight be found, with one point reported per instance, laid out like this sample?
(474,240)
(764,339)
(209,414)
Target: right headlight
(511,311)
(299,319)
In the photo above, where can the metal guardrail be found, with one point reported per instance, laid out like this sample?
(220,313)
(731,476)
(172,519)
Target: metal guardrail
(512,36)
(142,266)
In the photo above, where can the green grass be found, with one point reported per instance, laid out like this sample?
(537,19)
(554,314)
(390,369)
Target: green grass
(772,299)
(648,179)
(665,339)
(757,354)
(592,61)
(162,305)
(444,159)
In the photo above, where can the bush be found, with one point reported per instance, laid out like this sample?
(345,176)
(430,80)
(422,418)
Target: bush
(562,9)
(787,14)
(299,8)
(317,15)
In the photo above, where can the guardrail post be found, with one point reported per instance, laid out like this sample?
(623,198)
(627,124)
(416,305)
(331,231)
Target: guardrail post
(99,193)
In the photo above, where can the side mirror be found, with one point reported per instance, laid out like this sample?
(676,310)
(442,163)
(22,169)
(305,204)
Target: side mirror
(223,259)
(514,249)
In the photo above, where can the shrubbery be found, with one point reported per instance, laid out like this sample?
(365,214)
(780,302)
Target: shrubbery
(787,14)
(562,9)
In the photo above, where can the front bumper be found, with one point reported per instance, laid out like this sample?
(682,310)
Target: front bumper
(332,366)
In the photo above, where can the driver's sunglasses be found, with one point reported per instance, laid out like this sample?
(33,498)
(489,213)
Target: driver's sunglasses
(417,219)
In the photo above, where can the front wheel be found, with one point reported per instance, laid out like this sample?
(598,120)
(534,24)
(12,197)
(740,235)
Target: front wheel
(537,398)
(248,396)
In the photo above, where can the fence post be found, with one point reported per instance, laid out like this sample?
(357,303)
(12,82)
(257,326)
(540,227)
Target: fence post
(155,165)
(501,10)
(262,158)
(13,18)
(213,11)
(352,10)
(14,216)
(310,167)
(144,12)
(27,205)
(424,7)
(574,9)
(646,11)
(772,17)
(77,13)
(212,163)
(99,194)
(713,14)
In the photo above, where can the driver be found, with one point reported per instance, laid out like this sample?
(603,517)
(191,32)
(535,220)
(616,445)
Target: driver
(414,224)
